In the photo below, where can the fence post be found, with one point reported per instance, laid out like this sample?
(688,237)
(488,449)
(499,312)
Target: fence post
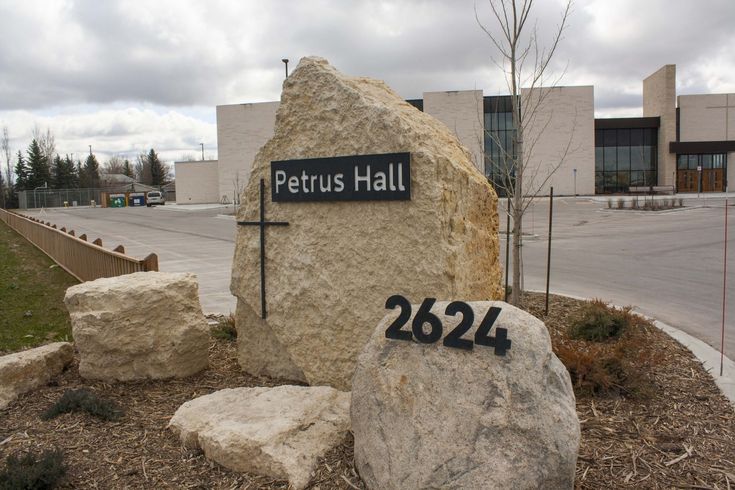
(150,263)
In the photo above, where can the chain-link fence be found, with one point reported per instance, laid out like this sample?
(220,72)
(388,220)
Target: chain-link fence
(54,198)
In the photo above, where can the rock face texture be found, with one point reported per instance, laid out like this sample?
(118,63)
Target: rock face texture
(279,432)
(329,273)
(138,326)
(25,371)
(429,416)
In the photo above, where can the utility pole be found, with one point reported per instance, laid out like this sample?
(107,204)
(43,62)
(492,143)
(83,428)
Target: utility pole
(285,61)
(90,149)
(202,151)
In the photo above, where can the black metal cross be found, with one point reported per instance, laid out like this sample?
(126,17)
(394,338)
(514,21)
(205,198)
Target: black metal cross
(262,223)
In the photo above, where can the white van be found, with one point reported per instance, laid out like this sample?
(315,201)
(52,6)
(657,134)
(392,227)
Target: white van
(154,197)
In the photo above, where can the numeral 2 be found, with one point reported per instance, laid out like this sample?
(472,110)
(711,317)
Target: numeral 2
(453,338)
(394,330)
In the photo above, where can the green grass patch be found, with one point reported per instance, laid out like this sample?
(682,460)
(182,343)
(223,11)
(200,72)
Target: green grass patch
(225,329)
(598,322)
(32,288)
(30,471)
(83,400)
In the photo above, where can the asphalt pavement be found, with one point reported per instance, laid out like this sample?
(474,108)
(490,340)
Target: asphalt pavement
(668,264)
(198,239)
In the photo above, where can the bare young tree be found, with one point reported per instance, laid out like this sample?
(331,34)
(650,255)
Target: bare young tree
(526,66)
(46,142)
(5,145)
(187,157)
(115,165)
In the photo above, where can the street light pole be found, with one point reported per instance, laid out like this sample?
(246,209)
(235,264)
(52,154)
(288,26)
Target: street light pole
(90,149)
(202,151)
(285,61)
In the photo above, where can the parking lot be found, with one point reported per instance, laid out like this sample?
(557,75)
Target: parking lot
(668,264)
(196,239)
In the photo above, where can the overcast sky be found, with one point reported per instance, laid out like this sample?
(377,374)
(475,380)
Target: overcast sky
(128,75)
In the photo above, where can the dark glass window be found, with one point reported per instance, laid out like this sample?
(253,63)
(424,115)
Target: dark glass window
(609,137)
(624,158)
(610,159)
(499,149)
(636,137)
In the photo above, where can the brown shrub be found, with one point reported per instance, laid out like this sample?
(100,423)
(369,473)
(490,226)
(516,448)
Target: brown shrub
(621,364)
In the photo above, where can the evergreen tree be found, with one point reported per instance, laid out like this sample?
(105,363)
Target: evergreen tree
(159,170)
(89,175)
(21,173)
(64,173)
(127,169)
(39,168)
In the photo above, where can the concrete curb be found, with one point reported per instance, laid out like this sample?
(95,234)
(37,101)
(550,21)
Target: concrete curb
(706,354)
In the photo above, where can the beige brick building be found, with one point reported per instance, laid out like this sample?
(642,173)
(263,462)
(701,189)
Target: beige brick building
(681,143)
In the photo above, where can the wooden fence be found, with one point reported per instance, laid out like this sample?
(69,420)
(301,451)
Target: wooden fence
(84,260)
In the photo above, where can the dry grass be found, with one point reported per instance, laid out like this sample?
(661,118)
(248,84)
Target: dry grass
(679,434)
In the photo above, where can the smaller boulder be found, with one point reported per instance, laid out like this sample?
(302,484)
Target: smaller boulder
(498,415)
(147,325)
(279,432)
(25,371)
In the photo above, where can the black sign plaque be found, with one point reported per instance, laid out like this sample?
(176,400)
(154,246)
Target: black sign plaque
(384,177)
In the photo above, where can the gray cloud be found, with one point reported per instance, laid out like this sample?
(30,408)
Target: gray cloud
(178,54)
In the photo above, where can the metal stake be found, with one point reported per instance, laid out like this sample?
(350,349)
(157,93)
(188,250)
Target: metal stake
(548,254)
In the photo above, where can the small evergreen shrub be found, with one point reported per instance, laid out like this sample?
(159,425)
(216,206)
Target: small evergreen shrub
(621,203)
(607,351)
(225,329)
(598,322)
(83,400)
(32,472)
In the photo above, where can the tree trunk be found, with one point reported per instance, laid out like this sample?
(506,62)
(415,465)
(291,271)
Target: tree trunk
(517,216)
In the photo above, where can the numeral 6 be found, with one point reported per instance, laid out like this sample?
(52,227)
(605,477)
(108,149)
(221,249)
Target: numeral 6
(424,316)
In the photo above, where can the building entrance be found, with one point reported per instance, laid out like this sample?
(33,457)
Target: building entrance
(701,173)
(713,180)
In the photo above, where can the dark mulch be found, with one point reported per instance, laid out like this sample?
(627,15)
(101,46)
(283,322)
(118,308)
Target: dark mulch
(676,431)
(679,433)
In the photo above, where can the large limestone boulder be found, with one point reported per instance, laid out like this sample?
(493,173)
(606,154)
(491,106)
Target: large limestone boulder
(430,416)
(330,271)
(25,371)
(278,432)
(139,326)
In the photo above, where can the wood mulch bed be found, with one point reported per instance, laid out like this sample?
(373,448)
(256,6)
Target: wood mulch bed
(680,434)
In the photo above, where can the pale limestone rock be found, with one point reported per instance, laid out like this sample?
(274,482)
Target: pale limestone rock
(139,326)
(27,370)
(279,432)
(430,416)
(330,271)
